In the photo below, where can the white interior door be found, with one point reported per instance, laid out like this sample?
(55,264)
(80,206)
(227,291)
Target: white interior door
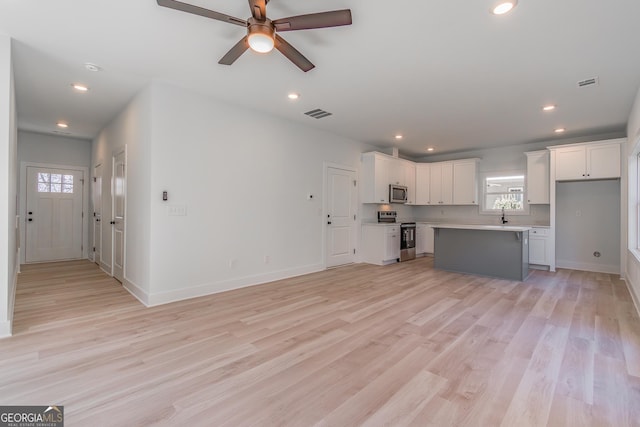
(97,214)
(53,214)
(119,207)
(341,216)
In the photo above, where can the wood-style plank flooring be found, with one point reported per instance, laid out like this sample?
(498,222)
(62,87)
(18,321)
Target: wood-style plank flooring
(401,345)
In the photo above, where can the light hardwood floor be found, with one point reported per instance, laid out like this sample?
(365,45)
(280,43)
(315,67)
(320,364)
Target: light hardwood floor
(359,345)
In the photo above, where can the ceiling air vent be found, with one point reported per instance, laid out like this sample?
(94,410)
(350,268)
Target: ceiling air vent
(588,82)
(317,113)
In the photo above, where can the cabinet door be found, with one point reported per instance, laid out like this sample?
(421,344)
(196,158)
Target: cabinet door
(421,238)
(603,161)
(538,250)
(435,183)
(410,182)
(446,194)
(392,243)
(571,163)
(538,177)
(422,183)
(396,172)
(465,188)
(374,186)
(428,239)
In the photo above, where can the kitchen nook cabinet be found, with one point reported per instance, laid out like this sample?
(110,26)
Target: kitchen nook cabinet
(539,246)
(596,160)
(424,239)
(538,177)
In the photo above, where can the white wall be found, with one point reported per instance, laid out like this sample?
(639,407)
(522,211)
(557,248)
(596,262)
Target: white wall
(630,216)
(8,184)
(130,129)
(42,148)
(243,177)
(588,221)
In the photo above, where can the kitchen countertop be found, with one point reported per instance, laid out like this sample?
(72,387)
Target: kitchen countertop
(483,227)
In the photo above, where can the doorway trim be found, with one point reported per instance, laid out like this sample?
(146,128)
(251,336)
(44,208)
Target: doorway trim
(22,202)
(325,209)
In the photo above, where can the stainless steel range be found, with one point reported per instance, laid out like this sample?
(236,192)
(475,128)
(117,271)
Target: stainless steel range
(407,241)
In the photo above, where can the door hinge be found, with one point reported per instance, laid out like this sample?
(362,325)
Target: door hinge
(355,183)
(354,251)
(95,179)
(82,214)
(81,180)
(354,217)
(94,249)
(94,214)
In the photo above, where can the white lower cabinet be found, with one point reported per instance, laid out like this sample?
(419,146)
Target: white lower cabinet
(424,239)
(539,246)
(380,244)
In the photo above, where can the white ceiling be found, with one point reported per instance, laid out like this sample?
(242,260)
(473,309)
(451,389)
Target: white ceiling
(446,74)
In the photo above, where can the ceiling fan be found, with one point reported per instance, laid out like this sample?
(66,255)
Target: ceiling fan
(262,32)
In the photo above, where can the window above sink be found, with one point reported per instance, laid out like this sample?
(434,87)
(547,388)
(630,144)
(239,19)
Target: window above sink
(504,190)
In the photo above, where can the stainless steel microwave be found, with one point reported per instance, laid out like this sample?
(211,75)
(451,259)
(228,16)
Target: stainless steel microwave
(397,193)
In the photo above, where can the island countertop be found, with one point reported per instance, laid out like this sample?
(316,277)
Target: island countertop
(483,227)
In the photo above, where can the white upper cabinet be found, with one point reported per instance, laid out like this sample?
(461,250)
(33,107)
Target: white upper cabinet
(598,160)
(423,183)
(465,184)
(396,172)
(538,177)
(441,183)
(374,186)
(410,181)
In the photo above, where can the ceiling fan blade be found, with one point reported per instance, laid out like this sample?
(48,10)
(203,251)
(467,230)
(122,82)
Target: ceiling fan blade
(258,9)
(235,52)
(196,10)
(292,54)
(334,18)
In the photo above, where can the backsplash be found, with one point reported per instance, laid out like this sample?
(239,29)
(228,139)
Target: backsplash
(538,215)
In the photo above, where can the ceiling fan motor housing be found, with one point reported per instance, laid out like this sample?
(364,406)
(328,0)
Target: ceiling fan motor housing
(261,35)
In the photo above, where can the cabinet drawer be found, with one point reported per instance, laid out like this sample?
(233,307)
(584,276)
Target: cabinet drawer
(541,232)
(393,229)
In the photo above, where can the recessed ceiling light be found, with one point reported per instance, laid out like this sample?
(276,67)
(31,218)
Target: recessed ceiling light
(92,67)
(398,136)
(63,125)
(504,6)
(430,149)
(80,87)
(293,95)
(548,108)
(559,130)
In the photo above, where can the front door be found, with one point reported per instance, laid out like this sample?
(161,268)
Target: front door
(341,216)
(119,198)
(53,214)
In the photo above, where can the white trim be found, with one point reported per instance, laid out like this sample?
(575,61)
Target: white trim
(22,190)
(105,267)
(585,266)
(5,329)
(634,296)
(114,154)
(135,290)
(160,298)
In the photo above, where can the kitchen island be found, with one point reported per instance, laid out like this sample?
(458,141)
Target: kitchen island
(500,251)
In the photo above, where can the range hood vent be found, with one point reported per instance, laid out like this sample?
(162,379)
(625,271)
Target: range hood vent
(317,113)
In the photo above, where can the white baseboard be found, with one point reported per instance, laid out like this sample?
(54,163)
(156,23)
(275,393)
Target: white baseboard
(105,267)
(135,290)
(5,329)
(635,297)
(585,266)
(227,285)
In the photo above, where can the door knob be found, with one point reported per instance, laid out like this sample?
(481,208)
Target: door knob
(30,213)
(112,222)
(329,222)
(30,219)
(97,219)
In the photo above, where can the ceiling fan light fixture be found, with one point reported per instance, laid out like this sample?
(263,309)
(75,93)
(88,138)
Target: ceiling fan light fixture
(504,6)
(261,37)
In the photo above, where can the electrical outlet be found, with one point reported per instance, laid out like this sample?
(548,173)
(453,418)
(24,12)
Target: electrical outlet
(177,210)
(578,212)
(232,263)
(267,259)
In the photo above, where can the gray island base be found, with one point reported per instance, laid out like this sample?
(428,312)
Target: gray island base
(494,251)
